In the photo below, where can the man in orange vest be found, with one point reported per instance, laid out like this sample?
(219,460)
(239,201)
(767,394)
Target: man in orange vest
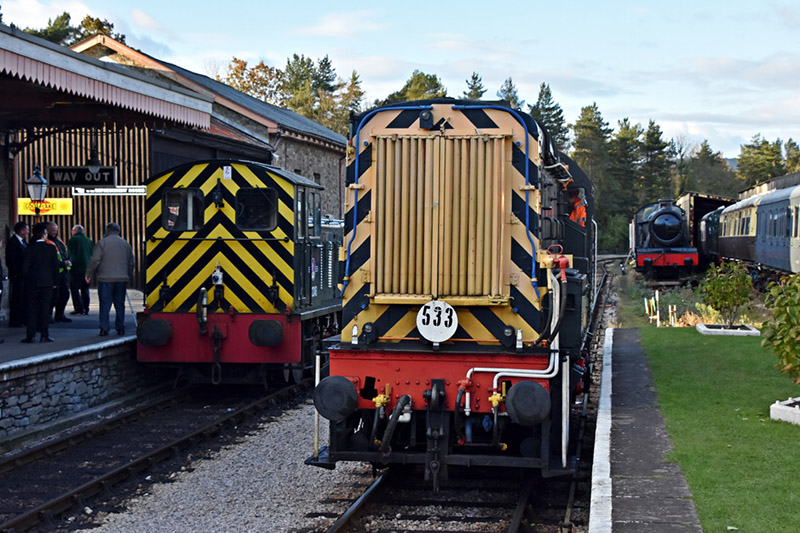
(578,207)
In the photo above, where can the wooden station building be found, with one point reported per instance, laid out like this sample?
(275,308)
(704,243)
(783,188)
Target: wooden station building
(123,116)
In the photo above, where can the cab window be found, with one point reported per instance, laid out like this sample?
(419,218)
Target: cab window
(182,210)
(256,209)
(314,215)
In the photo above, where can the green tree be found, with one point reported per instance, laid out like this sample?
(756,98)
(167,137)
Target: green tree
(782,333)
(91,26)
(57,31)
(760,161)
(726,288)
(656,166)
(298,82)
(352,94)
(419,86)
(709,173)
(475,88)
(60,31)
(324,77)
(591,137)
(590,145)
(623,170)
(508,92)
(548,113)
(792,156)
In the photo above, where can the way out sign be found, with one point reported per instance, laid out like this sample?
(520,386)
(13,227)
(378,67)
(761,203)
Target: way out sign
(81,177)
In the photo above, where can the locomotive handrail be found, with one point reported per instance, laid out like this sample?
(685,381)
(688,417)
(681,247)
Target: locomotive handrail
(346,277)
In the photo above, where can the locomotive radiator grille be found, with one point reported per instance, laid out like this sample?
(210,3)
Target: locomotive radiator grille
(449,190)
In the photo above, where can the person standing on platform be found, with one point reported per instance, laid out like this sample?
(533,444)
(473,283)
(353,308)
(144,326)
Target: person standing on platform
(61,294)
(15,257)
(112,263)
(80,251)
(41,277)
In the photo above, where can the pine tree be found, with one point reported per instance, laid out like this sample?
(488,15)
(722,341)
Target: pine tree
(57,31)
(508,92)
(655,171)
(549,114)
(475,88)
(325,76)
(623,171)
(760,161)
(792,157)
(709,173)
(419,86)
(352,94)
(590,146)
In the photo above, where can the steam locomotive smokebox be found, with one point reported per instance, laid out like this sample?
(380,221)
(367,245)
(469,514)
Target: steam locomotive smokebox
(577,303)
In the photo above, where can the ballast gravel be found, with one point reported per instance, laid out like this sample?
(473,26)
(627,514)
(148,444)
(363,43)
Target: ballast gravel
(259,484)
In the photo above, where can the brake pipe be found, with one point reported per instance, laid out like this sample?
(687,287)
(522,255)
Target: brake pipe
(346,278)
(547,373)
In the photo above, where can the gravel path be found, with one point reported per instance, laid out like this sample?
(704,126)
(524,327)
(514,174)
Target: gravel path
(259,484)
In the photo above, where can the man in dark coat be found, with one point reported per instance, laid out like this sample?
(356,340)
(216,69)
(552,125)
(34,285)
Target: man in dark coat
(61,294)
(41,276)
(15,257)
(80,250)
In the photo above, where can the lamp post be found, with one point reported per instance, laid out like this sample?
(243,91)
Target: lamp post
(37,190)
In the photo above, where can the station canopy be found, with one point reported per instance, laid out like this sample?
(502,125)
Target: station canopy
(46,85)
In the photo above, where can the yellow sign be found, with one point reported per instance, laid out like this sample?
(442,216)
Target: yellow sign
(51,206)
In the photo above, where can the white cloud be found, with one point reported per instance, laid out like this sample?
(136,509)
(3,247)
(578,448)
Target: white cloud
(35,14)
(145,21)
(343,25)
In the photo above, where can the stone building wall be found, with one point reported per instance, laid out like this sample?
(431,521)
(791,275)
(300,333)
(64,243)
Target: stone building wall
(317,163)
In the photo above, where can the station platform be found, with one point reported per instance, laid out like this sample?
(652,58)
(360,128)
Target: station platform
(69,336)
(634,488)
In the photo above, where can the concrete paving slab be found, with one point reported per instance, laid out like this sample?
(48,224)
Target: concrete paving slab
(648,492)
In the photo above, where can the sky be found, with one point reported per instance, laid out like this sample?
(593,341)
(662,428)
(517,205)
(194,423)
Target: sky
(721,70)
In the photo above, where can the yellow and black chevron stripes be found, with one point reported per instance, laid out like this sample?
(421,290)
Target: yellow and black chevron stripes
(252,261)
(470,168)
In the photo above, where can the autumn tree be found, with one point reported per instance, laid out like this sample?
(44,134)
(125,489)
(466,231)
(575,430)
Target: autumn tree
(475,88)
(760,161)
(260,81)
(508,92)
(549,114)
(419,86)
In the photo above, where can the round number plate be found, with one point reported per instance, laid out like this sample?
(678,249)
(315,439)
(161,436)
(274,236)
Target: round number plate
(437,321)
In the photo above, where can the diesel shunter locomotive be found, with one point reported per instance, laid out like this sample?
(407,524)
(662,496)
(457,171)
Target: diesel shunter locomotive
(466,289)
(242,271)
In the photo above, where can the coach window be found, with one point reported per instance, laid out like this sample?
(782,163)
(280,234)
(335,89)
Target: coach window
(256,209)
(182,210)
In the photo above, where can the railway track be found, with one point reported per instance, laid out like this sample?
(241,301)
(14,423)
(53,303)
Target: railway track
(40,486)
(486,500)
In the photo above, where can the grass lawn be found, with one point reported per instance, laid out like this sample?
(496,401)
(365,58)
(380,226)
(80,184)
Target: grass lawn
(715,393)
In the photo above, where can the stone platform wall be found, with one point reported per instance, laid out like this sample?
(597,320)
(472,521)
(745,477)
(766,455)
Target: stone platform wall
(41,391)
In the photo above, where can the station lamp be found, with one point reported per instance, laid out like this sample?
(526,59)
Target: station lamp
(37,189)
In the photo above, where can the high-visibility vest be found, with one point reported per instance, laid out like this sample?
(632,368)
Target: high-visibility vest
(578,213)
